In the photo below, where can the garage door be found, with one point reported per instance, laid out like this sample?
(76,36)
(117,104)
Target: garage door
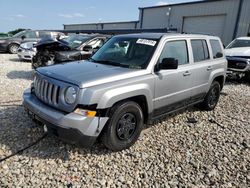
(204,24)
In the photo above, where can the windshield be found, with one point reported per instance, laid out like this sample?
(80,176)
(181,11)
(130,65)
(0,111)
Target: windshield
(239,43)
(74,41)
(126,52)
(19,34)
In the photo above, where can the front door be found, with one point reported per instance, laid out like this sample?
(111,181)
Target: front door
(172,87)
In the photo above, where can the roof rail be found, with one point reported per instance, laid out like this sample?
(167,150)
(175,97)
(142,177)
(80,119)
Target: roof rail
(198,33)
(121,31)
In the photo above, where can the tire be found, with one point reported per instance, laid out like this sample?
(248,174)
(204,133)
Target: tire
(247,76)
(124,126)
(212,97)
(13,48)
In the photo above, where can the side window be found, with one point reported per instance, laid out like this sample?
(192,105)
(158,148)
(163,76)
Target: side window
(44,34)
(97,43)
(216,49)
(30,34)
(177,50)
(200,50)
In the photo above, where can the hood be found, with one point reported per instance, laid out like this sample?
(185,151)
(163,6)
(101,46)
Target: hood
(87,74)
(244,51)
(28,45)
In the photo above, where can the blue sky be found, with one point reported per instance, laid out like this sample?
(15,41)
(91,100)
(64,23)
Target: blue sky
(52,14)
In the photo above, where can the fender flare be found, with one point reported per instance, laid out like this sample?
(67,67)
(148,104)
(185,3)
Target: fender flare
(110,97)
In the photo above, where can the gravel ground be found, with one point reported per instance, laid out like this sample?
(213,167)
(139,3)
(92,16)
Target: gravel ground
(171,153)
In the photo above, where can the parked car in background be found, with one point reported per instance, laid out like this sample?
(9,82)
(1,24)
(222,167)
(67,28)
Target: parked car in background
(238,56)
(26,51)
(130,81)
(5,35)
(11,44)
(74,47)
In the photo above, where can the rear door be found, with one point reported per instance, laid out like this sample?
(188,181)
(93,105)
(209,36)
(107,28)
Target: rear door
(206,58)
(172,87)
(201,68)
(44,34)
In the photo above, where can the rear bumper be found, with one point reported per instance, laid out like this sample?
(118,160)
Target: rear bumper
(70,127)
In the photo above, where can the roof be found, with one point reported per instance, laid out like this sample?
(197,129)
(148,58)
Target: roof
(104,23)
(176,4)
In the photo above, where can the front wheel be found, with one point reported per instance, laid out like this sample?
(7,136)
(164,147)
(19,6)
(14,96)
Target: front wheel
(212,97)
(124,126)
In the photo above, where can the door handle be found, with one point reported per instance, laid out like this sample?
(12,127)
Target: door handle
(209,68)
(187,73)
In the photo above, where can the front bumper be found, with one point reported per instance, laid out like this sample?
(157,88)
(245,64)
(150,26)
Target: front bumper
(237,64)
(25,54)
(70,127)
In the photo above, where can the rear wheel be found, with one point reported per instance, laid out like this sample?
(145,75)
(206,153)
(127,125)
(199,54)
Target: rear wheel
(13,48)
(124,126)
(212,97)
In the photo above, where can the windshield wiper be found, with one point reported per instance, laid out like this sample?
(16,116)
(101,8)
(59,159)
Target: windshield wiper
(108,62)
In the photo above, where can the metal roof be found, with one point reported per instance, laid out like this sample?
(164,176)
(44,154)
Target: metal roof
(97,23)
(177,4)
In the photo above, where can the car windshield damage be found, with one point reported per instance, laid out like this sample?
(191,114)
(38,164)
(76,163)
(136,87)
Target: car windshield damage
(239,43)
(74,41)
(133,53)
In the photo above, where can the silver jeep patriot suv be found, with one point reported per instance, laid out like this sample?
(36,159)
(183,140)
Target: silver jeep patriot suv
(129,82)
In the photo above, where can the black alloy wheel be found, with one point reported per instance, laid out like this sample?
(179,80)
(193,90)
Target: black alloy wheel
(212,97)
(124,126)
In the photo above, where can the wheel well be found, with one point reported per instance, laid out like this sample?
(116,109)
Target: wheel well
(220,79)
(13,43)
(142,102)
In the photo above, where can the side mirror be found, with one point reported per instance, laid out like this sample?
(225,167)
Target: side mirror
(87,48)
(23,37)
(168,63)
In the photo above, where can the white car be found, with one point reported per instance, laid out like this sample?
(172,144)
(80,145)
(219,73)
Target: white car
(26,51)
(238,56)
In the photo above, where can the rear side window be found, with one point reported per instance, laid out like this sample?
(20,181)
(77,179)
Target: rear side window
(216,49)
(200,50)
(30,34)
(44,34)
(177,50)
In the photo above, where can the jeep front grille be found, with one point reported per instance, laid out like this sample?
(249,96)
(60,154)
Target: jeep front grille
(46,91)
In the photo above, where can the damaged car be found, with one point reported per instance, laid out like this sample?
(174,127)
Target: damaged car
(238,57)
(74,47)
(26,51)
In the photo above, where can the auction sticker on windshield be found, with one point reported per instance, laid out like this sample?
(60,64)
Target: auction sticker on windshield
(146,42)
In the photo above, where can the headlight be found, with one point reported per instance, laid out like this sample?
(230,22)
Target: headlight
(70,95)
